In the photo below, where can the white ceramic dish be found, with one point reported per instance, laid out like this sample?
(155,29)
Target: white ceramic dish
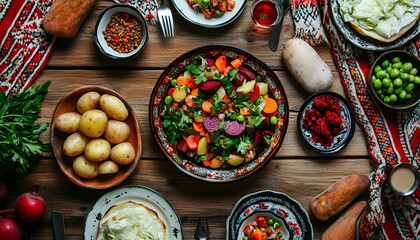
(138,194)
(285,231)
(103,20)
(198,18)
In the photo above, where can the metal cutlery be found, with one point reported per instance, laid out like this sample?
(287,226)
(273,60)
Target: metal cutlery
(202,232)
(166,20)
(273,41)
(58,225)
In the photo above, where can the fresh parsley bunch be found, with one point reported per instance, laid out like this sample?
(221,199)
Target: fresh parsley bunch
(19,135)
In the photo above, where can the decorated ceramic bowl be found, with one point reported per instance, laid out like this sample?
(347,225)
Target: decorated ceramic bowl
(345,133)
(198,171)
(293,219)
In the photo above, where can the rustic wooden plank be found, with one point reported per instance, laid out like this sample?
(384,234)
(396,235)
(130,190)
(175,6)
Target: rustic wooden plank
(136,88)
(301,179)
(82,51)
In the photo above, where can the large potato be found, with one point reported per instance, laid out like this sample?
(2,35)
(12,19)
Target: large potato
(68,122)
(88,101)
(113,107)
(75,144)
(93,123)
(108,167)
(116,131)
(97,150)
(85,168)
(123,153)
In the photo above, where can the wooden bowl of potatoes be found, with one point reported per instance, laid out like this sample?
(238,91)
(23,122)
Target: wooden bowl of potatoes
(95,137)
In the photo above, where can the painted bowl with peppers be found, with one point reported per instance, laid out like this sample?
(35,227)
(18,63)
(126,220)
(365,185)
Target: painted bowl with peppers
(121,32)
(218,113)
(326,122)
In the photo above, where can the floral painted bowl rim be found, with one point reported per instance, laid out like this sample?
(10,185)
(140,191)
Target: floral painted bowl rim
(365,42)
(350,130)
(268,195)
(208,174)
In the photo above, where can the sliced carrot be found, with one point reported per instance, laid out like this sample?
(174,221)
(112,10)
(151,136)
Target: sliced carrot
(237,63)
(189,101)
(227,69)
(208,138)
(210,154)
(171,91)
(206,163)
(206,106)
(198,126)
(190,83)
(244,111)
(181,81)
(194,92)
(221,64)
(175,105)
(192,142)
(270,105)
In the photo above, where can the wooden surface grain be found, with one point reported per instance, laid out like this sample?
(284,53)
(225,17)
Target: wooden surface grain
(295,170)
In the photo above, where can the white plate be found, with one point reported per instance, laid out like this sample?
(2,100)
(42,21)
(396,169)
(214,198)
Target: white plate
(198,18)
(138,194)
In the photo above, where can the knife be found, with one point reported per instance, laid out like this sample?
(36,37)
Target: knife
(273,41)
(58,225)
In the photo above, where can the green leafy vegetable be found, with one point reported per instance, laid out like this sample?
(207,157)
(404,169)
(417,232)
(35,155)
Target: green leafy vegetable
(199,75)
(256,121)
(19,135)
(242,101)
(245,142)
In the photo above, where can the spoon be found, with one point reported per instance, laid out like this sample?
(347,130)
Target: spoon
(273,41)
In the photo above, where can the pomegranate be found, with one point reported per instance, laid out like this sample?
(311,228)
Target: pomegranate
(4,191)
(30,206)
(9,227)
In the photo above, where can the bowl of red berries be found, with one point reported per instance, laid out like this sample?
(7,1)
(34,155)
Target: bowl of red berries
(326,122)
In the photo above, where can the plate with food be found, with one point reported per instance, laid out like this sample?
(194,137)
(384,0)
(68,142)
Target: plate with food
(132,212)
(365,25)
(210,13)
(268,215)
(218,113)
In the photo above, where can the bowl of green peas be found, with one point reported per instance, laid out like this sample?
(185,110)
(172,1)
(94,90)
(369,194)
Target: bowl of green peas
(394,79)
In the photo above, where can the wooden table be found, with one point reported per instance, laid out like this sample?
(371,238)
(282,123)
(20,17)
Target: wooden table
(295,170)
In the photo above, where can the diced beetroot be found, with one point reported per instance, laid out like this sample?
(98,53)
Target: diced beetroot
(248,74)
(234,128)
(211,124)
(266,123)
(210,87)
(210,62)
(257,138)
(182,146)
(238,82)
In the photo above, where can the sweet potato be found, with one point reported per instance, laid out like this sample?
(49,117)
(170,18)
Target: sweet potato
(344,228)
(338,196)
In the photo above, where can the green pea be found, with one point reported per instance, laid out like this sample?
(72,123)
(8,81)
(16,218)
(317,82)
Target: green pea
(408,96)
(244,238)
(394,73)
(382,96)
(274,120)
(373,78)
(279,235)
(398,90)
(385,64)
(390,89)
(417,80)
(173,82)
(386,99)
(398,82)
(388,69)
(377,84)
(386,82)
(276,225)
(401,70)
(407,67)
(381,74)
(169,100)
(396,60)
(380,91)
(397,65)
(411,78)
(393,98)
(240,118)
(377,69)
(409,88)
(413,71)
(402,94)
(405,76)
(270,221)
(232,116)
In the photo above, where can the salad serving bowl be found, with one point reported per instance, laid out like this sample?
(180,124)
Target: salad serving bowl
(198,171)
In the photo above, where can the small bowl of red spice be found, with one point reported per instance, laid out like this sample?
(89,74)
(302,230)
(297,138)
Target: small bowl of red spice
(326,122)
(121,32)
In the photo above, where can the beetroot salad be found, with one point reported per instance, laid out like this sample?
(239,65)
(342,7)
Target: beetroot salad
(218,113)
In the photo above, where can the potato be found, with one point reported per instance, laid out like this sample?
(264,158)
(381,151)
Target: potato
(123,153)
(108,167)
(179,94)
(202,146)
(113,107)
(75,144)
(200,118)
(263,88)
(85,168)
(215,163)
(235,160)
(88,101)
(68,122)
(97,150)
(93,123)
(116,131)
(247,87)
(221,93)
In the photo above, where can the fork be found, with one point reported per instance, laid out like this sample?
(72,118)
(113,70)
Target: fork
(202,232)
(166,20)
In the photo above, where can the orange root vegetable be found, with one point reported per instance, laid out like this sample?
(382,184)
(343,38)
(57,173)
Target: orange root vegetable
(215,163)
(190,83)
(171,91)
(189,101)
(270,105)
(237,63)
(194,92)
(198,126)
(207,106)
(221,64)
(206,163)
(192,142)
(227,69)
(181,81)
(244,111)
(175,105)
